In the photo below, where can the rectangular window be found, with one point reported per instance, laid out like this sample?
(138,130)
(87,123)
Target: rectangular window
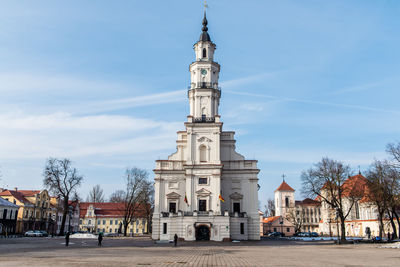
(116,230)
(288,229)
(164,228)
(131,230)
(202,205)
(116,222)
(357,210)
(172,207)
(98,222)
(242,228)
(286,201)
(104,222)
(90,222)
(111,222)
(203,180)
(110,230)
(236,207)
(274,229)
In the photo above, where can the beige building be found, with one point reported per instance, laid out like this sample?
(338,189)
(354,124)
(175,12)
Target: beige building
(35,211)
(278,224)
(308,214)
(108,218)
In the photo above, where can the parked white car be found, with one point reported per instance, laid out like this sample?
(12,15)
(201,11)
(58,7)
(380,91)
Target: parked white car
(34,233)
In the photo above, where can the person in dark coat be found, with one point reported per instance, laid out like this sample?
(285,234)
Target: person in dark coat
(176,240)
(100,238)
(67,239)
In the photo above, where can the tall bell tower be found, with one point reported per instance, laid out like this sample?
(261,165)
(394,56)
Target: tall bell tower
(204,93)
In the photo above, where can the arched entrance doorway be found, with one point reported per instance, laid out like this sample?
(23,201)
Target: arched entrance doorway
(202,233)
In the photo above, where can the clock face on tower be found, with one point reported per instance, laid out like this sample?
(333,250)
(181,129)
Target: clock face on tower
(203,71)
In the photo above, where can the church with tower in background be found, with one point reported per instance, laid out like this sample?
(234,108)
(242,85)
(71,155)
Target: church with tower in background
(205,190)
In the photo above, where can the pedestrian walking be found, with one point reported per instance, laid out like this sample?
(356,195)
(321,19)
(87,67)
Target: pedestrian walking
(100,238)
(67,239)
(176,240)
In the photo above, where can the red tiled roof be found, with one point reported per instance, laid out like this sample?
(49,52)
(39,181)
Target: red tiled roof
(29,193)
(271,219)
(107,209)
(284,187)
(309,201)
(16,194)
(356,185)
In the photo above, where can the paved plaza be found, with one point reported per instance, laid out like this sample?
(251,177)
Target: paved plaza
(144,252)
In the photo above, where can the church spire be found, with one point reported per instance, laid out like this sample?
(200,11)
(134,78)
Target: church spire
(205,37)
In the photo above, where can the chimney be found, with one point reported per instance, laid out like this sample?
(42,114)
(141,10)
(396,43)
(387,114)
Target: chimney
(1,190)
(16,188)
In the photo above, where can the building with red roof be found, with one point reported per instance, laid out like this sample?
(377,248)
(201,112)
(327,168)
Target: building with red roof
(35,211)
(108,218)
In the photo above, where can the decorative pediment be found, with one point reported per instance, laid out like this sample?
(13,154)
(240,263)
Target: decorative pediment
(236,195)
(204,139)
(173,195)
(203,192)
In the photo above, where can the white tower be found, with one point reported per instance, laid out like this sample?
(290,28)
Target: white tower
(204,93)
(284,199)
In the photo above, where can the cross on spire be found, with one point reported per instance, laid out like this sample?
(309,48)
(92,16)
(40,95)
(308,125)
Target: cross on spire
(283,177)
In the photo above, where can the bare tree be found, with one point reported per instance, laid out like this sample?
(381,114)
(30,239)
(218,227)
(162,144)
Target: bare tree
(296,220)
(270,208)
(377,175)
(96,195)
(326,180)
(117,197)
(62,180)
(147,202)
(394,152)
(393,185)
(135,181)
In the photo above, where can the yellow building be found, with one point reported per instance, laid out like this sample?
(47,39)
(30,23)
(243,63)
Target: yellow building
(35,212)
(108,219)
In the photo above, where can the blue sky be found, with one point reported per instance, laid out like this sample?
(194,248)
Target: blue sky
(104,84)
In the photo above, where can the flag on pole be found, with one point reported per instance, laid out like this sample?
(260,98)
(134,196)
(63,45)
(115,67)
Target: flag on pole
(221,198)
(186,200)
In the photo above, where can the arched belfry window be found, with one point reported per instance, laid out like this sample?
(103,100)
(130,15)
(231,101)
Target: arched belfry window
(204,53)
(203,153)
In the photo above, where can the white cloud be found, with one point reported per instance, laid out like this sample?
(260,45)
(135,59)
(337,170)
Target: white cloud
(139,101)
(64,135)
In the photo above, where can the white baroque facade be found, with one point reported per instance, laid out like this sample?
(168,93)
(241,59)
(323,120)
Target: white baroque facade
(205,190)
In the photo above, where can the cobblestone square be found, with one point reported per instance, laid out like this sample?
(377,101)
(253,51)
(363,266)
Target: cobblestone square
(144,252)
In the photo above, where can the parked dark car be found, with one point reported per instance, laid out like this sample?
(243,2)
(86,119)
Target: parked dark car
(314,234)
(276,234)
